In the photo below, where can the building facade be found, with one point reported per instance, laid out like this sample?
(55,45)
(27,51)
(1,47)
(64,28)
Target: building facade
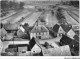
(39,31)
(1,46)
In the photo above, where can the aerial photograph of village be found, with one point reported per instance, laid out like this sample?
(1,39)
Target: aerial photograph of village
(39,28)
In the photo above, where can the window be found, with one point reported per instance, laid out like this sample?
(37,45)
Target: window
(23,51)
(33,51)
(45,33)
(73,45)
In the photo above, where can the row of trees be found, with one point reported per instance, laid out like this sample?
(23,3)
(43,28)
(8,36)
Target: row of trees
(7,5)
(60,16)
(72,3)
(10,5)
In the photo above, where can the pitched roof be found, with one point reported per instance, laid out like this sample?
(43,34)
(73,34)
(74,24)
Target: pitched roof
(27,28)
(22,29)
(34,41)
(66,28)
(3,32)
(71,33)
(56,28)
(65,39)
(1,25)
(10,26)
(9,36)
(38,29)
(59,51)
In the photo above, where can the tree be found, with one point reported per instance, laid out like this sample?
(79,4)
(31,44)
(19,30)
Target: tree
(26,24)
(10,4)
(21,5)
(59,14)
(71,3)
(74,3)
(4,5)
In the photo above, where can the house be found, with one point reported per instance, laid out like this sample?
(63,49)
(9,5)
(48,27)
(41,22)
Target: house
(74,47)
(66,27)
(34,47)
(1,46)
(21,49)
(11,27)
(75,27)
(59,51)
(55,29)
(61,29)
(23,31)
(76,37)
(11,51)
(58,30)
(71,34)
(65,40)
(3,32)
(39,31)
(9,36)
(77,32)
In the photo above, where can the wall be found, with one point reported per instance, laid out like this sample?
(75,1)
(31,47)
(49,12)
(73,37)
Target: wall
(22,49)
(1,46)
(35,49)
(43,35)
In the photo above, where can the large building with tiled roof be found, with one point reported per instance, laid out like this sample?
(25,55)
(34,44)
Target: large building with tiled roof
(39,31)
(10,28)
